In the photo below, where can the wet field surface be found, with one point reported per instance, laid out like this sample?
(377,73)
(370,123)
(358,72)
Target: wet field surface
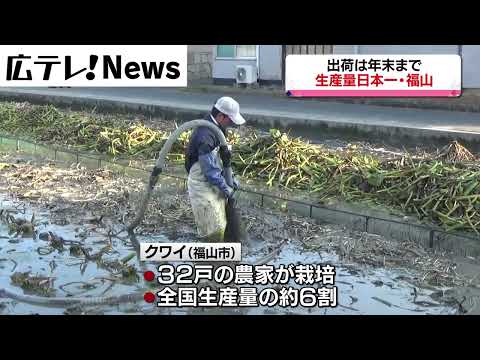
(361,289)
(56,227)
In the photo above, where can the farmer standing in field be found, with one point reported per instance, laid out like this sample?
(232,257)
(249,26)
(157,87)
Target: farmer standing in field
(207,188)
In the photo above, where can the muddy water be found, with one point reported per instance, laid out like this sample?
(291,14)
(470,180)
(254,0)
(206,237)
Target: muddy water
(361,289)
(61,265)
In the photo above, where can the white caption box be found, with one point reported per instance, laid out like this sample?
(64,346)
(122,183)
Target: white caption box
(134,65)
(437,76)
(187,251)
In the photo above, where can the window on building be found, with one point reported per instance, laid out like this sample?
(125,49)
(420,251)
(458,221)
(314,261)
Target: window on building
(236,51)
(227,51)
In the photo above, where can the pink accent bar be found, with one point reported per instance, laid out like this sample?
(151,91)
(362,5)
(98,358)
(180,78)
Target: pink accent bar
(375,93)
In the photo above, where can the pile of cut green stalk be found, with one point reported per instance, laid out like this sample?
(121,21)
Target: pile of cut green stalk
(86,132)
(444,189)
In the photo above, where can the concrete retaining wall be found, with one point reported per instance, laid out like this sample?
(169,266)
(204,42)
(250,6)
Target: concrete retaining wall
(313,129)
(353,216)
(375,221)
(398,136)
(199,63)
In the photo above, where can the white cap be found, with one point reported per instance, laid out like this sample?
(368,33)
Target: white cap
(230,107)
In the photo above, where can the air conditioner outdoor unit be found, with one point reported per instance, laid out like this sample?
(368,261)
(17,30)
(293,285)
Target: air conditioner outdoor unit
(246,74)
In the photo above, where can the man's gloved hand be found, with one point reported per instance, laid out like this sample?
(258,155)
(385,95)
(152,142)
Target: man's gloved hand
(226,156)
(231,193)
(236,183)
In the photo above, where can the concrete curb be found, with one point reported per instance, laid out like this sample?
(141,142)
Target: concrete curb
(359,217)
(375,221)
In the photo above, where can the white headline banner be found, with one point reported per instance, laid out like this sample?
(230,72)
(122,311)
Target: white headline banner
(373,75)
(93,65)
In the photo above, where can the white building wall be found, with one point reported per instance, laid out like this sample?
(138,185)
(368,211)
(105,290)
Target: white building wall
(270,62)
(270,59)
(471,66)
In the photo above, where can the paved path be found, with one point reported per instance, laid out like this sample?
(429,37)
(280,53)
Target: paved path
(275,107)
